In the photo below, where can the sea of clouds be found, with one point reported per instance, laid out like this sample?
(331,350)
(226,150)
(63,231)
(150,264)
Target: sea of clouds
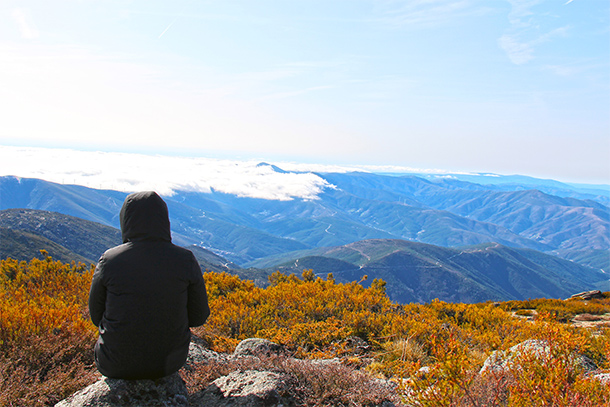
(130,172)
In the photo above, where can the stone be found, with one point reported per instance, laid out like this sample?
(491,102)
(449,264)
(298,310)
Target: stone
(502,361)
(200,354)
(588,295)
(355,345)
(247,388)
(257,347)
(169,391)
(603,377)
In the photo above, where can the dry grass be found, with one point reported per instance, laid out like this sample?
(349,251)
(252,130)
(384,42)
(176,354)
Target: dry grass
(46,341)
(44,370)
(315,384)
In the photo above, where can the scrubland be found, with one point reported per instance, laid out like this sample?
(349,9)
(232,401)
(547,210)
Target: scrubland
(46,340)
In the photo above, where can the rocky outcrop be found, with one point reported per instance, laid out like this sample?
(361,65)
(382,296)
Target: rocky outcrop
(504,361)
(588,295)
(199,353)
(106,392)
(242,387)
(248,389)
(257,347)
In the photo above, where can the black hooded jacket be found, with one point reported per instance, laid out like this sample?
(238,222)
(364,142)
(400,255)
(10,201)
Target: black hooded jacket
(145,295)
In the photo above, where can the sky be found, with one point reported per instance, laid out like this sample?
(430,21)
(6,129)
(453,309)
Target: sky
(502,86)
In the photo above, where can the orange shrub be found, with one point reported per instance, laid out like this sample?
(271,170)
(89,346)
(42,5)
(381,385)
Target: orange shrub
(46,338)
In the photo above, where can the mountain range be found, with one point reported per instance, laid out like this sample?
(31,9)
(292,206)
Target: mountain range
(414,272)
(418,272)
(572,222)
(460,238)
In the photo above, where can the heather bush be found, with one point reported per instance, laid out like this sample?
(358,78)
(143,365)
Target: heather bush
(433,352)
(315,384)
(46,339)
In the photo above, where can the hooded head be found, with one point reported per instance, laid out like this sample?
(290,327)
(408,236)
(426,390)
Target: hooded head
(144,216)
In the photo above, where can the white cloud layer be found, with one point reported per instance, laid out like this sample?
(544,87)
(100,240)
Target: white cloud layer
(136,172)
(131,172)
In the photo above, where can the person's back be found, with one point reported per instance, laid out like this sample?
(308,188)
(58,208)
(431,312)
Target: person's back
(144,296)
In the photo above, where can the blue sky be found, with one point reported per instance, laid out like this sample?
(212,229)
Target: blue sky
(519,86)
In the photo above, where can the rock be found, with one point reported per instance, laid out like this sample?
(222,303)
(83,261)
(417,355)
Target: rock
(603,377)
(248,388)
(106,392)
(200,354)
(355,345)
(501,361)
(257,347)
(588,295)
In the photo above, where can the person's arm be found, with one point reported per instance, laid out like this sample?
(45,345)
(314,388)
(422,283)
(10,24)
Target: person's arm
(197,302)
(97,294)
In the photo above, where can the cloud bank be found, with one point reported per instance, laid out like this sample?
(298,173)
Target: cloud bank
(131,172)
(136,172)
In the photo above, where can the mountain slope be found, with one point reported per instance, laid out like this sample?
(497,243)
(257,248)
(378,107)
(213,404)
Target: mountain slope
(100,206)
(421,272)
(85,238)
(358,206)
(20,245)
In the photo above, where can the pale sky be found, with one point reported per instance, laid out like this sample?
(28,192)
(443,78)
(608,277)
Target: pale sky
(504,86)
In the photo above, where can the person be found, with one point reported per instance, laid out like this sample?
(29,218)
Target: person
(144,296)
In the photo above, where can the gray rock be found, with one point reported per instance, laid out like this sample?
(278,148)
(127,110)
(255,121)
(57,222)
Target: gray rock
(356,345)
(248,388)
(603,377)
(257,347)
(106,392)
(501,361)
(588,295)
(200,354)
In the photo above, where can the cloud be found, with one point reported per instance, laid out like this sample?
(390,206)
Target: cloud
(528,30)
(518,52)
(427,13)
(24,22)
(283,95)
(164,174)
(131,172)
(522,51)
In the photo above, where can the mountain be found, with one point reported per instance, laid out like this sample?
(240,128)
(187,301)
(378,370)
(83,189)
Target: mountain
(100,206)
(66,238)
(68,234)
(20,245)
(24,232)
(417,272)
(414,272)
(442,211)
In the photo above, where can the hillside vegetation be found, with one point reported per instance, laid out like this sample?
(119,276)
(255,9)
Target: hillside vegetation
(415,272)
(419,272)
(59,234)
(46,338)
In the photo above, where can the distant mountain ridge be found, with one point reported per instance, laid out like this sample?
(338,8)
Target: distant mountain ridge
(414,272)
(440,211)
(72,238)
(418,272)
(25,232)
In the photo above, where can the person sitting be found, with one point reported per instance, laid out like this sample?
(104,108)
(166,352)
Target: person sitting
(144,296)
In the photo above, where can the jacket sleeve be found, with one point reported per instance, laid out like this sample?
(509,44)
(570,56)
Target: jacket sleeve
(97,294)
(197,303)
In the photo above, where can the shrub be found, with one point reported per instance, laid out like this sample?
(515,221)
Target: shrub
(433,351)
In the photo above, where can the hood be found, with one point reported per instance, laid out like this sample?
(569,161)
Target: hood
(144,216)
